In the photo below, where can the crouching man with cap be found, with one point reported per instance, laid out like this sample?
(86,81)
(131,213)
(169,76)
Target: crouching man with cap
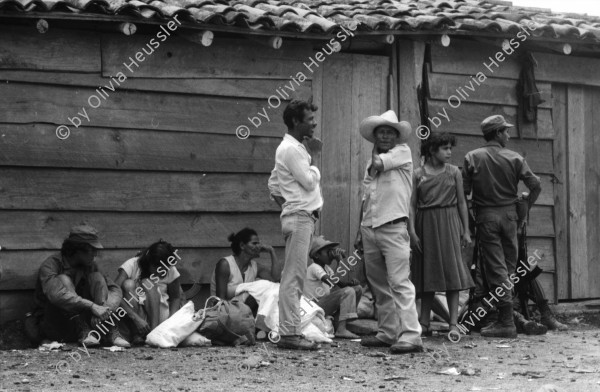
(383,233)
(72,295)
(324,287)
(492,173)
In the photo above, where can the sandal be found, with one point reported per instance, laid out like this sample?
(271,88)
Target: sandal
(425,330)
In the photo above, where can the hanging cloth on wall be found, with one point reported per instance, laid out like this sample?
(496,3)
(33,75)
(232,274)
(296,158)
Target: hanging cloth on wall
(528,95)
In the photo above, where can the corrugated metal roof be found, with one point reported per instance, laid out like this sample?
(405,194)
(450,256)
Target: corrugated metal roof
(327,16)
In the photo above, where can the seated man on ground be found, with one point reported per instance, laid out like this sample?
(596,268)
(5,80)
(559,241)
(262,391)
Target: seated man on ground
(324,287)
(240,267)
(73,295)
(151,289)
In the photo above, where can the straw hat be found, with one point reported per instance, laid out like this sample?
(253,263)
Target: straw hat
(368,125)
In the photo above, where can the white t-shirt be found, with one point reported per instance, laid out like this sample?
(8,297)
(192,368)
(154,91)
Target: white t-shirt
(133,272)
(314,288)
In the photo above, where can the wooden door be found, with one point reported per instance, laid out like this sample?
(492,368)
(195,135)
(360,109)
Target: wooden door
(577,198)
(348,88)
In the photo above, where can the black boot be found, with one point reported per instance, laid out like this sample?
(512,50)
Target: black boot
(490,317)
(528,327)
(548,318)
(505,326)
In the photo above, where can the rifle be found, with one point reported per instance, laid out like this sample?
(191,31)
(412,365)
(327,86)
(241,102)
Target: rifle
(527,287)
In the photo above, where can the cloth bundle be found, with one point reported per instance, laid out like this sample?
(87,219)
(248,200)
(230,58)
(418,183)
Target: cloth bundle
(266,293)
(176,329)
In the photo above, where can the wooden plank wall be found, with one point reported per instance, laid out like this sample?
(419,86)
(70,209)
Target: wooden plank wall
(451,68)
(576,192)
(354,87)
(581,142)
(159,157)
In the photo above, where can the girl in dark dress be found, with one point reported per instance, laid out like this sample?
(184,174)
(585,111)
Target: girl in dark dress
(440,227)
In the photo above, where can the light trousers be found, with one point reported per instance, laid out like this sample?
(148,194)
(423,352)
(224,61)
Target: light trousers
(387,261)
(297,229)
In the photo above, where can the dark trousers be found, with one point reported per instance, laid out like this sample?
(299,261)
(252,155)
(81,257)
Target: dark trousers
(497,236)
(57,324)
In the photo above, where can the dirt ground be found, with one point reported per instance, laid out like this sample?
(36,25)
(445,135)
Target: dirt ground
(568,360)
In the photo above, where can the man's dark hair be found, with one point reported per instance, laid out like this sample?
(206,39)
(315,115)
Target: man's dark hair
(152,256)
(295,110)
(241,237)
(492,135)
(435,141)
(69,248)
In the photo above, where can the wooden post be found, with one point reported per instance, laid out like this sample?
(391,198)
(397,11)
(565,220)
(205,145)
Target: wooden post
(578,257)
(204,38)
(411,55)
(445,40)
(42,26)
(386,39)
(274,42)
(127,28)
(561,203)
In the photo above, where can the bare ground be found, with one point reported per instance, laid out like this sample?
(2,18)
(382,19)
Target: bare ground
(568,360)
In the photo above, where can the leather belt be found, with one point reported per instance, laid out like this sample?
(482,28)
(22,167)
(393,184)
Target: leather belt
(393,222)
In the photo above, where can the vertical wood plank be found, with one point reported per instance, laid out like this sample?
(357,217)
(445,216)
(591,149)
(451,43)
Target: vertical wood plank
(410,74)
(559,148)
(317,99)
(576,112)
(370,95)
(592,181)
(337,122)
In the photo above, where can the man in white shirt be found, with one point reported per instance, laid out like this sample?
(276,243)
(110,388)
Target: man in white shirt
(294,185)
(384,214)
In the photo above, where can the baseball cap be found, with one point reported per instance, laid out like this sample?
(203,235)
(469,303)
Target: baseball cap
(494,123)
(85,233)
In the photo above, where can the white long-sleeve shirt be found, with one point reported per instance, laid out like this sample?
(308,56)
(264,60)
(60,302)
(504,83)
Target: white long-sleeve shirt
(294,179)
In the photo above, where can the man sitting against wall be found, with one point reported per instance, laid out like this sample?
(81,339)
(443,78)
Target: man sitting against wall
(73,295)
(324,287)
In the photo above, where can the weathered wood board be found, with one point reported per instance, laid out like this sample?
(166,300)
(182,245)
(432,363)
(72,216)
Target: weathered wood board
(226,58)
(38,230)
(491,90)
(101,190)
(21,48)
(469,58)
(227,87)
(137,110)
(36,145)
(20,268)
(465,118)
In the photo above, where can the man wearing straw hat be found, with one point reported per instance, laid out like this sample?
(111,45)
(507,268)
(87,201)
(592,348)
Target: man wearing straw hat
(383,233)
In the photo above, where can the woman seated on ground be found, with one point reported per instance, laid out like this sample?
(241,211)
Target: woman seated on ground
(151,290)
(241,267)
